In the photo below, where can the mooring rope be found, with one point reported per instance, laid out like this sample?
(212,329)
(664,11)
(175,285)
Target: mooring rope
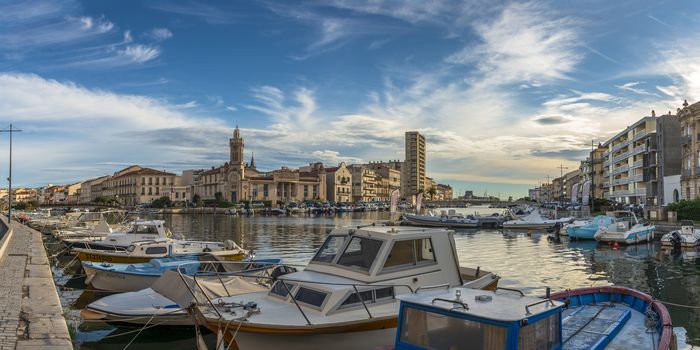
(140,330)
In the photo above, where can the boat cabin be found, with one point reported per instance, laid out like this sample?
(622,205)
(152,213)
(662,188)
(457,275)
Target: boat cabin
(624,220)
(466,319)
(687,227)
(376,263)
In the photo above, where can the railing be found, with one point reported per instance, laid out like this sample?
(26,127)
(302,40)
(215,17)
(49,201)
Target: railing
(686,172)
(639,135)
(638,149)
(638,164)
(639,192)
(621,193)
(620,181)
(620,157)
(637,177)
(620,170)
(606,163)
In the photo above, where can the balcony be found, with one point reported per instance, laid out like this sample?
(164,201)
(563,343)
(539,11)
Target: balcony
(639,135)
(639,192)
(685,140)
(619,170)
(620,157)
(606,163)
(636,178)
(621,193)
(638,164)
(686,172)
(638,150)
(620,181)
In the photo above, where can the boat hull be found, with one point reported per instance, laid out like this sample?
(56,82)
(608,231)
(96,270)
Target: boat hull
(582,232)
(527,226)
(684,241)
(115,281)
(628,237)
(111,257)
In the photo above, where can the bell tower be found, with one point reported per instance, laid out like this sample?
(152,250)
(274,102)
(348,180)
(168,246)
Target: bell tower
(236,144)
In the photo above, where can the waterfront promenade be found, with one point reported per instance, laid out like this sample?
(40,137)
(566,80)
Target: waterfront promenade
(31,316)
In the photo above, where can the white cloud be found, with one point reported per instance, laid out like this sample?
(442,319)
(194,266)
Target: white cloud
(160,34)
(273,103)
(632,87)
(140,53)
(231,108)
(526,42)
(190,104)
(331,158)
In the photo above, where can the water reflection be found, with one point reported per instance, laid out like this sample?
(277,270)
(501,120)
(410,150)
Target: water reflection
(528,261)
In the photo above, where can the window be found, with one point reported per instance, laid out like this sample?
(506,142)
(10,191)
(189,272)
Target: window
(410,253)
(360,253)
(157,181)
(143,190)
(150,181)
(280,290)
(369,296)
(150,191)
(329,249)
(157,191)
(156,250)
(310,296)
(144,229)
(435,331)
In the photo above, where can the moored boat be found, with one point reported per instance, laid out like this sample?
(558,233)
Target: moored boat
(590,318)
(446,219)
(144,251)
(625,229)
(586,229)
(121,278)
(534,221)
(346,297)
(139,230)
(687,237)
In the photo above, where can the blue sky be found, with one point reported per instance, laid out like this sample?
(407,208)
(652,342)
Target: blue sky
(504,91)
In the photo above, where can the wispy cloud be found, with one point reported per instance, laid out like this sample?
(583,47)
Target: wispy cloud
(632,87)
(159,34)
(207,12)
(525,42)
(274,103)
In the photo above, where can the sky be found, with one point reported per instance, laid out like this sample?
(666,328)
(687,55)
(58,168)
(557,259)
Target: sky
(504,91)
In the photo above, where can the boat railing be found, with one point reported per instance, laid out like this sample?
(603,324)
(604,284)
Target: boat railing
(527,307)
(266,276)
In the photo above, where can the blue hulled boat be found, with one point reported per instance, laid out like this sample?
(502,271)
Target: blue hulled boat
(587,229)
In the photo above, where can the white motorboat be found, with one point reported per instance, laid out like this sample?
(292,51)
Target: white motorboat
(446,219)
(346,297)
(626,229)
(137,231)
(150,305)
(687,237)
(535,221)
(144,251)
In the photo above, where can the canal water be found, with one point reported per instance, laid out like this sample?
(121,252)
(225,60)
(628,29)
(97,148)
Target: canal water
(525,260)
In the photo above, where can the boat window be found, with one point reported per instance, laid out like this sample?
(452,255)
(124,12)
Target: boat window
(424,251)
(543,334)
(360,253)
(354,299)
(384,293)
(279,289)
(156,250)
(310,296)
(402,253)
(410,253)
(329,249)
(130,248)
(431,330)
(143,229)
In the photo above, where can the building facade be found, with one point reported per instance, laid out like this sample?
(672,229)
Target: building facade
(598,189)
(444,192)
(339,183)
(137,185)
(365,183)
(413,175)
(689,117)
(389,178)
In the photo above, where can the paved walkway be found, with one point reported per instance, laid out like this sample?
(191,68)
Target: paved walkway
(31,316)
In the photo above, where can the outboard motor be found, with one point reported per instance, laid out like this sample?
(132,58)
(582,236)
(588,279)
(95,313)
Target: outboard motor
(675,240)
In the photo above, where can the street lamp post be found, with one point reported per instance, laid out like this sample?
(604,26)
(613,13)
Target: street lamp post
(10,130)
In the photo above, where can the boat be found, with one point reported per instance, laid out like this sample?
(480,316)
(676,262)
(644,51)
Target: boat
(534,221)
(687,237)
(589,318)
(144,251)
(626,229)
(586,229)
(113,277)
(139,230)
(345,298)
(160,303)
(446,219)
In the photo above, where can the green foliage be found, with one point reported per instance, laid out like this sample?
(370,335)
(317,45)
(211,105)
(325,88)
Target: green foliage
(599,203)
(105,200)
(162,202)
(687,210)
(21,206)
(197,200)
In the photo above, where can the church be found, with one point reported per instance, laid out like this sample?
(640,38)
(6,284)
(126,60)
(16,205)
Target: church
(237,181)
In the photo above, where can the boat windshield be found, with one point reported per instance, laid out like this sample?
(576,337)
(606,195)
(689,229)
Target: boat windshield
(360,253)
(329,249)
(144,229)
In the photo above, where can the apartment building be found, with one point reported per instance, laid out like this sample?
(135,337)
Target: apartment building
(389,178)
(413,175)
(634,161)
(365,183)
(137,185)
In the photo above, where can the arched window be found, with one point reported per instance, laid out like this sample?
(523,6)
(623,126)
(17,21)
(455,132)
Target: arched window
(676,196)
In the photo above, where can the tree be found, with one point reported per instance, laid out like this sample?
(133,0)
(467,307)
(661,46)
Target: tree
(218,197)
(162,202)
(197,200)
(432,191)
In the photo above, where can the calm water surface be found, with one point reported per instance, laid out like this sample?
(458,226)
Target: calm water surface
(529,262)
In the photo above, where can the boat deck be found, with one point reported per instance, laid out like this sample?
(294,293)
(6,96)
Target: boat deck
(605,326)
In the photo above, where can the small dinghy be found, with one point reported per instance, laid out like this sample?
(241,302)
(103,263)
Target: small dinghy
(132,277)
(626,229)
(589,318)
(687,237)
(446,219)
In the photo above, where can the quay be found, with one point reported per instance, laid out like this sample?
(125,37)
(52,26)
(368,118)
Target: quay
(32,316)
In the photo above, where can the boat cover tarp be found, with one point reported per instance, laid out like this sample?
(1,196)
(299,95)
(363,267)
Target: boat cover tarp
(592,326)
(172,286)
